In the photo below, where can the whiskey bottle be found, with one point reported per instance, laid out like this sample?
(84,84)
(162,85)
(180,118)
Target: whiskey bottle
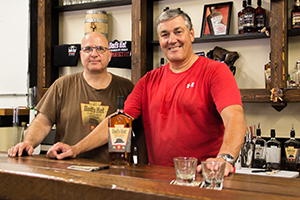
(249,16)
(273,156)
(260,17)
(216,22)
(295,15)
(294,77)
(119,136)
(268,73)
(247,151)
(241,18)
(291,148)
(259,158)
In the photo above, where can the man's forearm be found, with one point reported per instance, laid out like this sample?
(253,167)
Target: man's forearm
(235,130)
(38,130)
(98,137)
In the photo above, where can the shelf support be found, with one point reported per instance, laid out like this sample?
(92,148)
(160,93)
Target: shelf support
(139,34)
(278,40)
(44,47)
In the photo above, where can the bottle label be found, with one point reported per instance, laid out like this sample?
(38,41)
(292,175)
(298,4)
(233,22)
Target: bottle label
(296,19)
(268,75)
(249,19)
(259,152)
(218,27)
(291,153)
(273,154)
(240,23)
(260,21)
(119,138)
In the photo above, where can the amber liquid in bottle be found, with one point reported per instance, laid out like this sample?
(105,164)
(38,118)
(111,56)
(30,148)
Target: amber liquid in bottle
(241,18)
(291,148)
(260,17)
(249,16)
(295,15)
(119,136)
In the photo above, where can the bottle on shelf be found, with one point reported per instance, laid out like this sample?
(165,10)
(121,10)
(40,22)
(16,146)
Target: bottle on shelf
(259,158)
(119,136)
(298,74)
(241,18)
(247,151)
(291,148)
(295,15)
(216,22)
(294,77)
(260,17)
(249,16)
(273,156)
(268,73)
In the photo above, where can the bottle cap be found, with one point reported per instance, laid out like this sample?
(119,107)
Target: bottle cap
(258,132)
(272,132)
(258,2)
(292,134)
(120,102)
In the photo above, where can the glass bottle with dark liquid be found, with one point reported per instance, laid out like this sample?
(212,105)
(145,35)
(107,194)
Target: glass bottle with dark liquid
(241,18)
(249,16)
(119,136)
(260,17)
(273,152)
(291,148)
(295,15)
(259,159)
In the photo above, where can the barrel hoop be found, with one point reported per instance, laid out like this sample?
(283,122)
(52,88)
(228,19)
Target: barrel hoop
(96,20)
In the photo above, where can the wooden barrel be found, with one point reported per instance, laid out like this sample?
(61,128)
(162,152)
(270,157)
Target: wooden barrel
(96,21)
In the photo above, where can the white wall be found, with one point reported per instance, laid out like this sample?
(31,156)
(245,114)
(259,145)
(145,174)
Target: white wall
(14,40)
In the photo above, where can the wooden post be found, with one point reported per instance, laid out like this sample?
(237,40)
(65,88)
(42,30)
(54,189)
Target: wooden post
(139,32)
(44,47)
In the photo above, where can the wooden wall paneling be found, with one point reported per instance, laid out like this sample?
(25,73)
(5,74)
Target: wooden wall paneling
(278,41)
(139,44)
(44,47)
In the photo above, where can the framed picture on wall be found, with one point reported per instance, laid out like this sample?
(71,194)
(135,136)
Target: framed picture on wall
(216,19)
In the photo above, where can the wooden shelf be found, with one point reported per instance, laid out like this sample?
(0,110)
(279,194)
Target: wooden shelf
(263,95)
(220,38)
(294,32)
(100,4)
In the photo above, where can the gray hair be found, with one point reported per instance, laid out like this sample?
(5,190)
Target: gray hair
(169,14)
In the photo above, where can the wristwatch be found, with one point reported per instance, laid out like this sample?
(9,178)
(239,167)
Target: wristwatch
(228,158)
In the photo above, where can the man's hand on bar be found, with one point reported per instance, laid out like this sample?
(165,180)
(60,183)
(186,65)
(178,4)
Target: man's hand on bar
(20,149)
(61,151)
(228,168)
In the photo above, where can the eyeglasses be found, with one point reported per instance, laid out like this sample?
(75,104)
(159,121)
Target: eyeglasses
(99,49)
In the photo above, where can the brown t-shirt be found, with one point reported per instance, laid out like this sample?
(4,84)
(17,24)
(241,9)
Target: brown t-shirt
(76,108)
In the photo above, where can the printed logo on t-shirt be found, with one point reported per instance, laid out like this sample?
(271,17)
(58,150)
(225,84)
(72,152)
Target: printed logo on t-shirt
(93,113)
(190,85)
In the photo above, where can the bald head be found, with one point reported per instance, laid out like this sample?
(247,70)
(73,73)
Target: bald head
(94,36)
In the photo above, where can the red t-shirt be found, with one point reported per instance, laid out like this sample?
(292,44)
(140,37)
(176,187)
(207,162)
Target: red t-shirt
(181,110)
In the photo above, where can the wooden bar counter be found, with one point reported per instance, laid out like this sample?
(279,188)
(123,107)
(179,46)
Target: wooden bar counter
(38,177)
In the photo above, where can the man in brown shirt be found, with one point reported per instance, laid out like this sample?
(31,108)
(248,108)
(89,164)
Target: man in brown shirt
(77,103)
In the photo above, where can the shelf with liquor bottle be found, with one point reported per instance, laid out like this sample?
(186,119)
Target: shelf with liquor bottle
(142,38)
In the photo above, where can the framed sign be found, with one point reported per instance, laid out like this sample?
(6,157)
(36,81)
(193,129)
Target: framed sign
(216,19)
